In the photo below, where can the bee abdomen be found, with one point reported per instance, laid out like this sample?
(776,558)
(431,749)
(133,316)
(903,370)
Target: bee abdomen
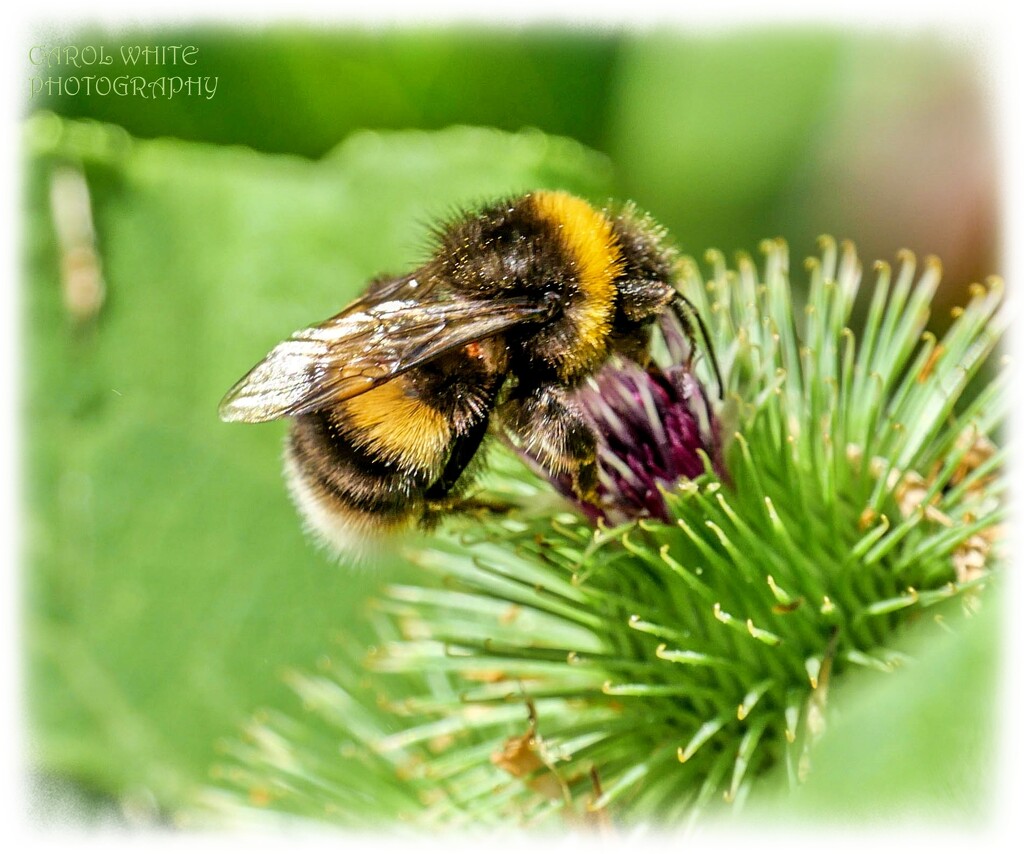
(348,496)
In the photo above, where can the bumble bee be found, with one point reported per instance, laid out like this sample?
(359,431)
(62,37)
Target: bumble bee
(518,304)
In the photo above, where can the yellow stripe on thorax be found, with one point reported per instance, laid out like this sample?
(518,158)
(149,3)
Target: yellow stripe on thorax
(590,243)
(391,422)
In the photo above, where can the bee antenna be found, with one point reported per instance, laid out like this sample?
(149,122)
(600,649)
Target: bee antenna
(687,314)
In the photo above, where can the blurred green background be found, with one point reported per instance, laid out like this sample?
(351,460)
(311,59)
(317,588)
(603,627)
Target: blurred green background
(168,580)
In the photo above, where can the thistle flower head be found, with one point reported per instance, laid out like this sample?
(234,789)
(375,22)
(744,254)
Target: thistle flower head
(668,655)
(655,427)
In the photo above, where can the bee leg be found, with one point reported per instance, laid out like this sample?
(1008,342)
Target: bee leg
(549,427)
(464,448)
(438,500)
(437,510)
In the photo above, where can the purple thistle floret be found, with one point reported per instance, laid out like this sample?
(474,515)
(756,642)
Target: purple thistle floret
(651,423)
(652,426)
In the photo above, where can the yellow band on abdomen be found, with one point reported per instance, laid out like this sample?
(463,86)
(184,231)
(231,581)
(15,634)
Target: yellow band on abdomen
(391,422)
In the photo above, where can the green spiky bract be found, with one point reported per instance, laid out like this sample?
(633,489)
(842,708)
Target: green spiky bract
(669,666)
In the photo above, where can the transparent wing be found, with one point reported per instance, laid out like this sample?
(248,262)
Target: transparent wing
(389,288)
(365,345)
